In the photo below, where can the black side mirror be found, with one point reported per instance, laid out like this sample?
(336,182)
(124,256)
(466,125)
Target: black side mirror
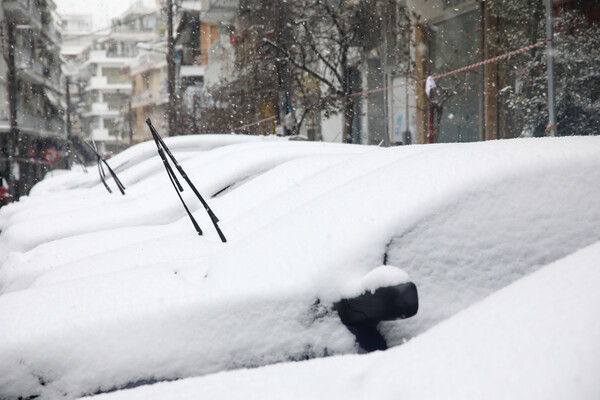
(361,314)
(385,304)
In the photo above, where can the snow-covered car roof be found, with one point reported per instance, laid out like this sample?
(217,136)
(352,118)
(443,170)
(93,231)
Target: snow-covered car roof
(101,291)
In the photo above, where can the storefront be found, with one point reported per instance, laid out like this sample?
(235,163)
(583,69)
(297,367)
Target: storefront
(449,38)
(32,157)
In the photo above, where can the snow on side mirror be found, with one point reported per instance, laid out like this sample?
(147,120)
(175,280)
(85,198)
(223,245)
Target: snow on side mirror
(386,293)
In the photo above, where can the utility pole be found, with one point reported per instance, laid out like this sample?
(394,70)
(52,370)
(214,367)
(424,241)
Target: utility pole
(68,95)
(69,124)
(130,121)
(283,67)
(551,129)
(13,136)
(171,105)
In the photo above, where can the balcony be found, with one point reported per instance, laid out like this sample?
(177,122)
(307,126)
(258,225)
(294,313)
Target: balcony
(101,83)
(143,99)
(53,33)
(96,56)
(37,71)
(142,36)
(101,109)
(103,57)
(102,135)
(147,61)
(53,78)
(23,11)
(29,70)
(26,121)
(219,10)
(106,135)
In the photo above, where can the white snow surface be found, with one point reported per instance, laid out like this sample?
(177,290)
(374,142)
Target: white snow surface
(100,291)
(534,339)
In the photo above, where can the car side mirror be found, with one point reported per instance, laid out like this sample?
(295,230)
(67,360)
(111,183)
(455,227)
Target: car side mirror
(385,304)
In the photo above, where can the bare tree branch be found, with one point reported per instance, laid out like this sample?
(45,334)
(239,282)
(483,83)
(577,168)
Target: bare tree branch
(304,67)
(321,57)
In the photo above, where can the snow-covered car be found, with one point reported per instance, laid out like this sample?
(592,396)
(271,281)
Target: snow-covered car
(101,291)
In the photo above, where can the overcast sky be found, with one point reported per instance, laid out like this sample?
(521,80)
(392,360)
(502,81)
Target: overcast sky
(103,10)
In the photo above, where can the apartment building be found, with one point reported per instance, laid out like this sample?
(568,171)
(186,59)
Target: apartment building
(78,35)
(195,34)
(108,112)
(148,73)
(33,135)
(104,93)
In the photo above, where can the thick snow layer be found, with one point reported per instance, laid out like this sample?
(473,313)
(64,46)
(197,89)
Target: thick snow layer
(150,201)
(534,339)
(101,291)
(126,160)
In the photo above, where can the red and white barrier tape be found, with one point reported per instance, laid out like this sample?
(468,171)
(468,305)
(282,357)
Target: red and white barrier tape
(254,123)
(456,71)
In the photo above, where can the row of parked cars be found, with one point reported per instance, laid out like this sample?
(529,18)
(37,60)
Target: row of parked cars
(329,249)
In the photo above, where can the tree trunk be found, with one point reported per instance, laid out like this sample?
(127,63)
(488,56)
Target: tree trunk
(348,99)
(171,105)
(348,119)
(12,109)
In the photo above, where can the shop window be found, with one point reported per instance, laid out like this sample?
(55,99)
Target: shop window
(454,106)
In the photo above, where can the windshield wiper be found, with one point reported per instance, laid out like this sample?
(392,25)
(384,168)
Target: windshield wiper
(101,172)
(162,148)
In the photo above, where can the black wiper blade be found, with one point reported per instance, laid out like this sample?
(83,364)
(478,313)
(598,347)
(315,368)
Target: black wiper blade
(103,176)
(101,160)
(162,149)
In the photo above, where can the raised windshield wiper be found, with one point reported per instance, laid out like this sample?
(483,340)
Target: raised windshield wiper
(162,148)
(100,161)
